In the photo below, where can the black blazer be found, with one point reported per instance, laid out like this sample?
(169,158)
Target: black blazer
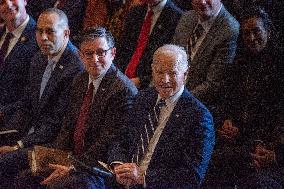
(113,99)
(45,114)
(161,34)
(14,74)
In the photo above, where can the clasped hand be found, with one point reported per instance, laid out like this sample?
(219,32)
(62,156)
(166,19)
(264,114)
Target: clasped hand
(228,131)
(262,157)
(128,174)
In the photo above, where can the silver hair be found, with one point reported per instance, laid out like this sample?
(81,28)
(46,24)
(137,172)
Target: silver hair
(175,50)
(62,16)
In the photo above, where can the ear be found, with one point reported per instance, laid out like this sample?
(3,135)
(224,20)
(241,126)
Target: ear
(185,76)
(113,51)
(269,33)
(66,33)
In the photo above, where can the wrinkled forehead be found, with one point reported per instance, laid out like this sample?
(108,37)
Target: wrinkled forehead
(50,20)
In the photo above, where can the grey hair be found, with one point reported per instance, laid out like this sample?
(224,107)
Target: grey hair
(62,16)
(175,50)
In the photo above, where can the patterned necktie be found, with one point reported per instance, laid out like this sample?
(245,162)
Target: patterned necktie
(80,129)
(4,48)
(46,76)
(198,32)
(130,71)
(149,128)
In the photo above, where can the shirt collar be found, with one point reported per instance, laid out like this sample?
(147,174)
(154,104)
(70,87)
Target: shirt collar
(208,23)
(97,81)
(159,7)
(173,99)
(19,30)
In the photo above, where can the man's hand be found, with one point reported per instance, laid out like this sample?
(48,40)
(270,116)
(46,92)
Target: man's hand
(59,172)
(262,157)
(6,149)
(128,174)
(228,131)
(136,81)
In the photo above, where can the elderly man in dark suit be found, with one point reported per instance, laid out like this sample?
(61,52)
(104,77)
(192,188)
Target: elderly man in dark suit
(146,28)
(112,98)
(210,33)
(16,50)
(171,132)
(38,116)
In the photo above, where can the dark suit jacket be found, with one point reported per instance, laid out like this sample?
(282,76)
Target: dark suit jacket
(161,34)
(112,100)
(15,73)
(209,68)
(45,114)
(184,148)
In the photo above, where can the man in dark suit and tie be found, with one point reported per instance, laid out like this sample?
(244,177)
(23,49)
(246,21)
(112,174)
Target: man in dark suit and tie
(38,116)
(209,32)
(171,132)
(146,28)
(88,132)
(17,47)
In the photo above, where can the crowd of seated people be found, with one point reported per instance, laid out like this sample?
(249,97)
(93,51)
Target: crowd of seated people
(190,97)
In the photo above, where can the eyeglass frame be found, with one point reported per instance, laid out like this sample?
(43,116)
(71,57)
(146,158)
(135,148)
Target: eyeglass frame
(96,53)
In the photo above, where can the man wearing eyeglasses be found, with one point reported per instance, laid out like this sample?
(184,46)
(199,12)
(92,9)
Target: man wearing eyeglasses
(100,97)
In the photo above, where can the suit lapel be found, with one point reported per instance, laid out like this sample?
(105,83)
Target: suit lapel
(177,116)
(56,75)
(103,92)
(20,46)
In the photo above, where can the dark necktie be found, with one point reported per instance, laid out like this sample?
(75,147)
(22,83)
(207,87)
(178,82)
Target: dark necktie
(4,48)
(198,31)
(130,71)
(149,129)
(80,128)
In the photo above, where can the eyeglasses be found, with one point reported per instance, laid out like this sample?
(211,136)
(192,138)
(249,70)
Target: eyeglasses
(101,53)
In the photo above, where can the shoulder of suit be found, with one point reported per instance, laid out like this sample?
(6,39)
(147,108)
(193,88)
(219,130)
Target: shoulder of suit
(174,7)
(122,81)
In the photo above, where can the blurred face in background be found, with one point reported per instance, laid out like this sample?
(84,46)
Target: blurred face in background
(254,34)
(97,56)
(51,34)
(206,8)
(13,10)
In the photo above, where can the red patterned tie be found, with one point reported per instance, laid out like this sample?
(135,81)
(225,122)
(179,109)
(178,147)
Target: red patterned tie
(80,128)
(130,71)
(4,48)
